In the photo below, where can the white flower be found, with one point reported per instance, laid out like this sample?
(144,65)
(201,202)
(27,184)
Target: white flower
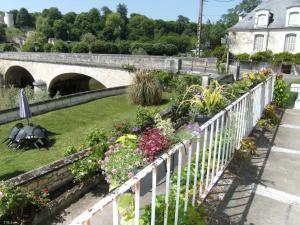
(1,195)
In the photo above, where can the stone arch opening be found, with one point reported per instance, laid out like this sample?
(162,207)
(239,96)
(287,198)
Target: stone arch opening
(18,77)
(71,83)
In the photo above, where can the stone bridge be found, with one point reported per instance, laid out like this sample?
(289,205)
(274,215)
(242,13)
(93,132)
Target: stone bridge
(69,73)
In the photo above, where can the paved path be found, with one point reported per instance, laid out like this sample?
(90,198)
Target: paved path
(266,190)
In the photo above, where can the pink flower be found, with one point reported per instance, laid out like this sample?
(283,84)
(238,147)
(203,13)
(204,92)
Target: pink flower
(114,171)
(130,174)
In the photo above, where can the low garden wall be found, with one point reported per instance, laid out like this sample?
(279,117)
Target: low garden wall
(52,176)
(62,102)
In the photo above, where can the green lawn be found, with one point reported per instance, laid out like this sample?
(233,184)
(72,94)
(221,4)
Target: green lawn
(71,126)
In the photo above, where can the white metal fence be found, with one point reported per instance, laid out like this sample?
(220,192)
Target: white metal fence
(203,158)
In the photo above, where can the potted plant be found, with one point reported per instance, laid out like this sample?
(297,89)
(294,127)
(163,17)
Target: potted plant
(204,102)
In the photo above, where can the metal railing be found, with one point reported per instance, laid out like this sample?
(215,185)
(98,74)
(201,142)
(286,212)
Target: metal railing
(203,158)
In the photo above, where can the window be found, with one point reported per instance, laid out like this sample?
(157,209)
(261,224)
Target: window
(294,18)
(262,20)
(258,42)
(289,45)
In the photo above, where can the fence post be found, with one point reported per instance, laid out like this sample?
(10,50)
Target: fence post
(205,80)
(238,70)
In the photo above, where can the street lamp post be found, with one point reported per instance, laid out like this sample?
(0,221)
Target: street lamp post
(198,45)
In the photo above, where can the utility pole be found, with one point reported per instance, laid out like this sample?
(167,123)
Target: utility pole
(198,46)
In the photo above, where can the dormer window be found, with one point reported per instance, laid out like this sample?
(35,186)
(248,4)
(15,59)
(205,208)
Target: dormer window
(293,16)
(262,18)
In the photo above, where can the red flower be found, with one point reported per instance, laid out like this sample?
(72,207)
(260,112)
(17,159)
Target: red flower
(152,142)
(45,190)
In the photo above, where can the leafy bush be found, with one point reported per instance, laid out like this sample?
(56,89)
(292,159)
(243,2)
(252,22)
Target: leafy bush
(8,48)
(104,47)
(88,166)
(280,96)
(145,90)
(165,78)
(297,58)
(121,162)
(70,151)
(80,47)
(16,206)
(207,101)
(48,47)
(284,57)
(237,89)
(96,137)
(153,142)
(220,52)
(248,144)
(270,113)
(60,46)
(266,56)
(242,57)
(255,77)
(185,80)
(129,68)
(165,126)
(145,117)
(120,128)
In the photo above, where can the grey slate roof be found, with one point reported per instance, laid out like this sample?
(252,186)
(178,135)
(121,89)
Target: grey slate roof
(277,7)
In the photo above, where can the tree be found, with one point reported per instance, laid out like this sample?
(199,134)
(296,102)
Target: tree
(113,26)
(53,14)
(60,46)
(123,11)
(48,47)
(69,17)
(2,34)
(80,47)
(140,27)
(182,23)
(61,29)
(8,48)
(94,19)
(88,38)
(43,26)
(15,13)
(23,18)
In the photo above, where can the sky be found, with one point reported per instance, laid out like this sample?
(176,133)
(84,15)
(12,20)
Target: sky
(156,9)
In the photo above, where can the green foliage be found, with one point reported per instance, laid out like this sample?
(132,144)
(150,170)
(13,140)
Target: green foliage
(88,38)
(88,167)
(121,128)
(96,137)
(165,126)
(265,123)
(48,47)
(248,145)
(207,101)
(220,52)
(165,78)
(24,19)
(129,68)
(122,161)
(70,150)
(80,47)
(8,48)
(17,205)
(280,96)
(60,46)
(244,57)
(237,89)
(185,80)
(145,116)
(104,47)
(145,90)
(266,56)
(284,57)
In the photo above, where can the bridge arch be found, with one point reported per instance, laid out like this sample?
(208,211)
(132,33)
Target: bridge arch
(18,77)
(71,83)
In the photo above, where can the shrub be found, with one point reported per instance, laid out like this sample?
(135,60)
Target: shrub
(280,96)
(266,56)
(165,126)
(120,128)
(70,151)
(171,49)
(16,206)
(220,52)
(145,117)
(145,90)
(165,78)
(8,48)
(60,46)
(80,47)
(124,47)
(129,68)
(242,57)
(48,47)
(96,137)
(139,51)
(152,142)
(284,57)
(88,167)
(98,47)
(121,162)
(270,113)
(185,80)
(296,58)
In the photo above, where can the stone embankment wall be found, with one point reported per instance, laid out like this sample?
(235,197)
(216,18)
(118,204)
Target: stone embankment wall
(62,102)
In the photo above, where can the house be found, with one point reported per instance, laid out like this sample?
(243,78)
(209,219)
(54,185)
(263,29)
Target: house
(273,25)
(7,19)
